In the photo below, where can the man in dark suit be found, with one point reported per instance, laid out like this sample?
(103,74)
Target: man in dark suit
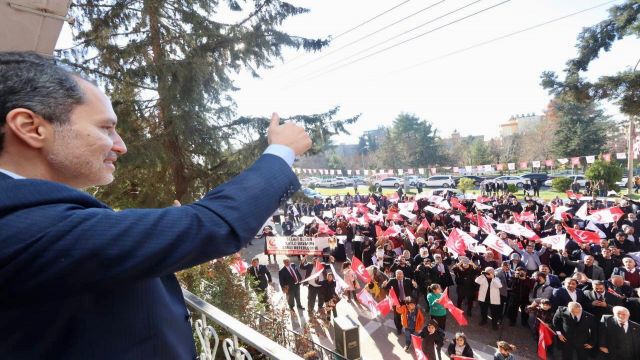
(290,278)
(600,302)
(567,294)
(403,288)
(576,330)
(96,283)
(619,338)
(261,278)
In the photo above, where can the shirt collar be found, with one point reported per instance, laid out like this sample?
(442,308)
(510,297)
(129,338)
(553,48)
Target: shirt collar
(11,174)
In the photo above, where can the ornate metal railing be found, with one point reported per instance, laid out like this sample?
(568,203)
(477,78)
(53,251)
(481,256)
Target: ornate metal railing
(204,314)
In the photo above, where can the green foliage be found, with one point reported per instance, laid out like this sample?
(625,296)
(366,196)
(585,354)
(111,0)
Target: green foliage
(607,171)
(372,188)
(168,67)
(466,184)
(561,184)
(580,128)
(410,142)
(622,87)
(513,188)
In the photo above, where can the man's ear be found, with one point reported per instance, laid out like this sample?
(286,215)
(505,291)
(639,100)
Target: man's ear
(29,127)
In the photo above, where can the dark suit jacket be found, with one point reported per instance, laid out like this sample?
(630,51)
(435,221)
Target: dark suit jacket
(286,279)
(407,285)
(260,274)
(561,297)
(597,311)
(612,336)
(98,283)
(577,333)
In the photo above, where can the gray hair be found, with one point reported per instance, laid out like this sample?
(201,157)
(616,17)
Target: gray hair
(33,82)
(574,305)
(618,309)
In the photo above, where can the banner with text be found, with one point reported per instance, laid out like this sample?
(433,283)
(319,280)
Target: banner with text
(297,245)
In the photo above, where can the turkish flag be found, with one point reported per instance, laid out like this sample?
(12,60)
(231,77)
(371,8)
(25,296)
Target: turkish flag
(606,216)
(494,242)
(499,167)
(324,229)
(394,216)
(456,243)
(583,236)
(516,217)
(358,267)
(545,338)
(535,237)
(548,162)
(575,160)
(393,297)
(384,307)
(455,312)
(425,224)
(416,341)
(524,165)
(483,199)
(456,204)
(392,230)
(367,300)
(484,225)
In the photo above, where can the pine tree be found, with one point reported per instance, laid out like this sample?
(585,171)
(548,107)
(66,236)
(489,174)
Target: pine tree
(168,66)
(581,129)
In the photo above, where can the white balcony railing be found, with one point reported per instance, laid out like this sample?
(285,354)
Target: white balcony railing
(204,314)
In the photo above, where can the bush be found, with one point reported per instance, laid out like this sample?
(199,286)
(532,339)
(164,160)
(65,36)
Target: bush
(561,184)
(372,188)
(609,172)
(513,188)
(312,186)
(466,184)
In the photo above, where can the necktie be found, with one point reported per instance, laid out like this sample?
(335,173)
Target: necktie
(255,270)
(401,289)
(623,325)
(293,274)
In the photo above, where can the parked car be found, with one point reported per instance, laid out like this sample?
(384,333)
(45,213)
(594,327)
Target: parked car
(476,179)
(581,180)
(444,181)
(312,194)
(358,180)
(328,183)
(541,177)
(518,181)
(390,181)
(412,179)
(344,181)
(309,181)
(623,183)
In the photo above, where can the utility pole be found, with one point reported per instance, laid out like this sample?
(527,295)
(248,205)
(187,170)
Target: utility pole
(630,154)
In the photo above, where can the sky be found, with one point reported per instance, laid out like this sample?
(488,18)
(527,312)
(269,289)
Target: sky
(471,91)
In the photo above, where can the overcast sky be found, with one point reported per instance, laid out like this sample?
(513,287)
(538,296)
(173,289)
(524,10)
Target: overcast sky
(471,91)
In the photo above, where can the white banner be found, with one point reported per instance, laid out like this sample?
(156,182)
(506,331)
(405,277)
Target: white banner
(348,172)
(563,161)
(433,210)
(468,168)
(590,159)
(621,156)
(421,171)
(536,164)
(488,168)
(511,166)
(296,245)
(400,171)
(366,172)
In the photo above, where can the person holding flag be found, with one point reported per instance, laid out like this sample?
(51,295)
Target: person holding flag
(459,347)
(436,310)
(403,288)
(412,319)
(432,340)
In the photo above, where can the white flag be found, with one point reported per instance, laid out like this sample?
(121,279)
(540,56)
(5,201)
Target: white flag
(400,171)
(621,156)
(592,226)
(590,159)
(494,242)
(357,172)
(366,172)
(433,210)
(473,229)
(516,229)
(536,164)
(348,172)
(563,161)
(421,171)
(468,168)
(481,206)
(511,166)
(556,241)
(582,212)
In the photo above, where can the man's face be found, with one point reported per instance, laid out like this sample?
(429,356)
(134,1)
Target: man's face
(400,275)
(576,311)
(529,249)
(622,316)
(83,151)
(571,285)
(629,263)
(254,263)
(600,288)
(544,269)
(588,260)
(620,238)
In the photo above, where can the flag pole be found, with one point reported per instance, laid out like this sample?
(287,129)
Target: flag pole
(630,155)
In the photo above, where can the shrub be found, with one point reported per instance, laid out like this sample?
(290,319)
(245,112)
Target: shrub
(609,172)
(513,188)
(561,184)
(466,184)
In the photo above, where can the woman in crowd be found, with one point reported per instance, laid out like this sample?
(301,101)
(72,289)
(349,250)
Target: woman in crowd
(350,278)
(331,298)
(436,310)
(504,351)
(459,346)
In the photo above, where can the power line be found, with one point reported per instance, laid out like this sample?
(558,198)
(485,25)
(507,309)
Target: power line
(503,37)
(358,26)
(370,34)
(408,40)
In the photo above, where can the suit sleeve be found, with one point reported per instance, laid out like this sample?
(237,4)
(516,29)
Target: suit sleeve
(266,271)
(82,248)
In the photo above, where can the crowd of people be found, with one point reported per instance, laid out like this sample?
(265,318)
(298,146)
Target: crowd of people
(580,289)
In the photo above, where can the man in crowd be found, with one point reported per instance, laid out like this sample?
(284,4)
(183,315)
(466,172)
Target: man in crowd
(76,270)
(568,293)
(530,257)
(403,288)
(576,330)
(586,266)
(261,279)
(619,339)
(289,278)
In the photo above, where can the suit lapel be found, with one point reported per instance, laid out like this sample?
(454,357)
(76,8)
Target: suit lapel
(4,176)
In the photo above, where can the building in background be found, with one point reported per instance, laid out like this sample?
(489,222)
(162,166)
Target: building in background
(519,124)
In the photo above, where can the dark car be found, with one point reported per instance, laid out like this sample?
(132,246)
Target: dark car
(540,177)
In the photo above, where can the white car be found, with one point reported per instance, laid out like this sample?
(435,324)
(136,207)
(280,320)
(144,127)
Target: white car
(328,183)
(444,181)
(518,181)
(623,183)
(309,180)
(390,181)
(344,181)
(581,180)
(413,179)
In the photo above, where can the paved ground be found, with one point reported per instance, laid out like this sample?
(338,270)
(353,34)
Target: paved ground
(378,337)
